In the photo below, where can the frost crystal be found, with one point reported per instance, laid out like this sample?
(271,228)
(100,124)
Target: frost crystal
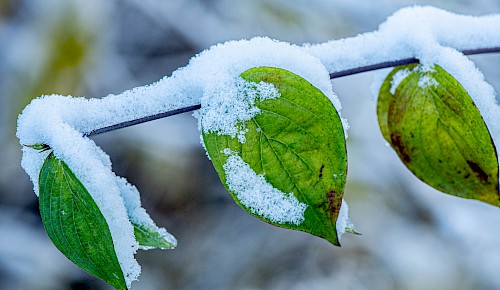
(260,197)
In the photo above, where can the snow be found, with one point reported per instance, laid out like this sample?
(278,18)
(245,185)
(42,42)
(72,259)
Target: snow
(226,111)
(397,78)
(406,34)
(212,79)
(259,196)
(427,81)
(343,223)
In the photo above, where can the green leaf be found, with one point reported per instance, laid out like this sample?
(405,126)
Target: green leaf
(297,145)
(75,224)
(149,238)
(437,131)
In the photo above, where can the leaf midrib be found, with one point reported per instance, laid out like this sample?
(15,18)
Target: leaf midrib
(286,170)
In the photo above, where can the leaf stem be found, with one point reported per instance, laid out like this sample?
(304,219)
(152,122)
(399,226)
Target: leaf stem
(333,75)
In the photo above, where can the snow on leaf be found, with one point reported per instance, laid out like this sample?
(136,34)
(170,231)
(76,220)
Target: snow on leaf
(437,131)
(261,197)
(75,224)
(294,158)
(146,232)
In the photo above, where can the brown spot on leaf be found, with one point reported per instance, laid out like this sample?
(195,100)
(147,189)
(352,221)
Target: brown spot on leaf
(333,202)
(400,148)
(480,173)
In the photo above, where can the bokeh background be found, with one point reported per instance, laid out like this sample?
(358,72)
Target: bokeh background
(413,236)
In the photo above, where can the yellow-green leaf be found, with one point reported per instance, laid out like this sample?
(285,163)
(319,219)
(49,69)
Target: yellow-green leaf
(437,131)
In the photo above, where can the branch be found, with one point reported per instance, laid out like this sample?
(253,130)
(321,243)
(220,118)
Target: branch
(387,64)
(332,76)
(143,120)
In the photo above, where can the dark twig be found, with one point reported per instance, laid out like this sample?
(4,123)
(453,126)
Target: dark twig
(143,120)
(332,76)
(376,66)
(388,64)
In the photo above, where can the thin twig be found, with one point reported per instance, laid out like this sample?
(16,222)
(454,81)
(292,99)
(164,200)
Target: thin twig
(388,64)
(332,76)
(143,120)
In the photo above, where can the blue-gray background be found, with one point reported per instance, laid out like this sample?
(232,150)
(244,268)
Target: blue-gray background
(413,236)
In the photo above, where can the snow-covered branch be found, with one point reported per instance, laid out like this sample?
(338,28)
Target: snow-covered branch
(333,75)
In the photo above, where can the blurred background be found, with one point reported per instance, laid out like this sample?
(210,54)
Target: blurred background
(413,236)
